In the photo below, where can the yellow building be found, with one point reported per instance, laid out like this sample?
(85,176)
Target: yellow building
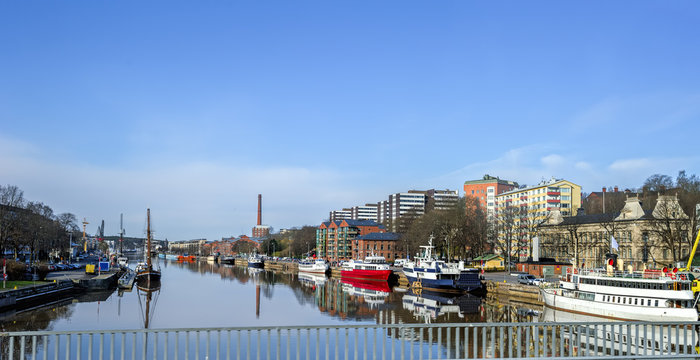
(520,211)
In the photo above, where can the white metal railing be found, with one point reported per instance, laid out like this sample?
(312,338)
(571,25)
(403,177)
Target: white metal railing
(592,340)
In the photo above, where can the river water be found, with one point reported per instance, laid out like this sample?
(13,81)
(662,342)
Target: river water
(205,294)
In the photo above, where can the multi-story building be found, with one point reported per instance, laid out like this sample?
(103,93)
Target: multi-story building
(335,215)
(366,212)
(335,239)
(383,211)
(377,243)
(519,211)
(411,203)
(486,189)
(441,199)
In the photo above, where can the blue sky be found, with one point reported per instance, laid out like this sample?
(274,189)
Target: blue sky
(193,108)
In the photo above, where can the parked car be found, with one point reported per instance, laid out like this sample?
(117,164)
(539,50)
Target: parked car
(525,279)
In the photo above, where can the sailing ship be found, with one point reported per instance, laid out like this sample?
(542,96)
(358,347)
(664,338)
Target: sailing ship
(146,274)
(427,272)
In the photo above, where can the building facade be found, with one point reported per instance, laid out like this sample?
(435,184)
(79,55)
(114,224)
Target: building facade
(336,215)
(335,239)
(486,189)
(376,243)
(520,211)
(643,237)
(365,212)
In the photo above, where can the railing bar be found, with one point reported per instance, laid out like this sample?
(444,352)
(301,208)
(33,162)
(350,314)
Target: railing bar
(653,339)
(374,345)
(629,340)
(561,339)
(11,350)
(500,341)
(420,339)
(299,344)
(544,341)
(337,340)
(357,337)
(177,345)
(384,347)
(102,338)
(439,341)
(402,343)
(519,334)
(218,344)
(207,348)
(391,342)
(527,341)
(484,343)
(228,345)
(258,346)
(111,346)
(328,343)
(269,346)
(196,346)
(187,345)
(155,346)
(79,348)
(165,345)
(475,344)
(510,341)
(678,341)
(457,347)
(536,339)
(466,342)
(56,347)
(34,347)
(346,343)
(668,339)
(308,346)
(289,341)
(318,343)
(554,340)
(595,337)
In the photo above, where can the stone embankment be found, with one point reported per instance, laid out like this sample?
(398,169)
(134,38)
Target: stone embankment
(523,293)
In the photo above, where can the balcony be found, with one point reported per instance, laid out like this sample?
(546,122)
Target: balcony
(553,201)
(553,193)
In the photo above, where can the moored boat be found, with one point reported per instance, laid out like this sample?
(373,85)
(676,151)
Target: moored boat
(426,271)
(146,273)
(642,295)
(126,281)
(226,259)
(188,258)
(371,268)
(255,261)
(317,266)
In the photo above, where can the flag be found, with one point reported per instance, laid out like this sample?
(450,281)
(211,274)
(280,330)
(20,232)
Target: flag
(613,243)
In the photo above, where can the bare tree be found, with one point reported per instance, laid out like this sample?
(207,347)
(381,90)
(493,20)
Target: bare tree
(11,203)
(507,229)
(670,228)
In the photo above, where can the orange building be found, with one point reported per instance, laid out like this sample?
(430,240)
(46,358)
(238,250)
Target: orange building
(486,189)
(334,239)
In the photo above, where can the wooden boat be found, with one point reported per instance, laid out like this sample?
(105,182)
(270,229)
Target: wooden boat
(146,274)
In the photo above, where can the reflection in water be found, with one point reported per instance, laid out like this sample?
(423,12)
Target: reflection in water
(605,338)
(281,297)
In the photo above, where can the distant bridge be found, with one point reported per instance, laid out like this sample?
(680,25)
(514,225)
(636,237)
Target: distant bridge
(591,340)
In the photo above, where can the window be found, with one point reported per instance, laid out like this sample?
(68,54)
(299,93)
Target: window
(565,190)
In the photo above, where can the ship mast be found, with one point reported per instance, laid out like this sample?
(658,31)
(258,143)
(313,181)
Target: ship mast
(148,238)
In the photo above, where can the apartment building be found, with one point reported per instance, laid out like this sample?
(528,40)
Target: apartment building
(345,214)
(334,239)
(520,210)
(441,199)
(364,212)
(486,189)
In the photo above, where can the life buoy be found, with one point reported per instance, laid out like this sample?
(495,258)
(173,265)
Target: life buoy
(682,277)
(575,271)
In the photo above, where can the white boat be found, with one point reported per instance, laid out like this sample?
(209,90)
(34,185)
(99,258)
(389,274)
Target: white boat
(646,295)
(255,261)
(427,272)
(312,280)
(122,261)
(318,266)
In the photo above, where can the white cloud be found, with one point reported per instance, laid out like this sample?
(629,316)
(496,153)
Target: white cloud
(553,160)
(189,200)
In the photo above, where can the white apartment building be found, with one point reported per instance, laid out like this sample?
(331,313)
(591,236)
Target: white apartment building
(365,212)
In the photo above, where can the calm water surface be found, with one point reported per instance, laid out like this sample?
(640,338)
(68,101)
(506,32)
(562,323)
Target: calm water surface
(203,294)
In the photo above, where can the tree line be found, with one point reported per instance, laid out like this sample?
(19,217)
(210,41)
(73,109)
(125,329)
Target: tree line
(33,226)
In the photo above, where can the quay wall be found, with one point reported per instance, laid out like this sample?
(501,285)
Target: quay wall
(525,293)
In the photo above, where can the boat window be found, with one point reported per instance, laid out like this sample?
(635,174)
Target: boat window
(648,302)
(635,301)
(624,300)
(656,303)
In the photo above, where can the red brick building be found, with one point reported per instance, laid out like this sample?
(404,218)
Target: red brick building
(486,189)
(335,239)
(376,243)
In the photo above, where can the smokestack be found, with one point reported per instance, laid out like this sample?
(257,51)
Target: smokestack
(259,209)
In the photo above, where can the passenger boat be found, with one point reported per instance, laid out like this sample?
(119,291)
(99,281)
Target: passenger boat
(649,295)
(146,274)
(371,268)
(255,261)
(317,266)
(427,272)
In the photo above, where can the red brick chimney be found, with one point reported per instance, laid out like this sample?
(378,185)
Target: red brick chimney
(259,209)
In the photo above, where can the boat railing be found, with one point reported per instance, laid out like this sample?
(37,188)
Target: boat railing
(647,275)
